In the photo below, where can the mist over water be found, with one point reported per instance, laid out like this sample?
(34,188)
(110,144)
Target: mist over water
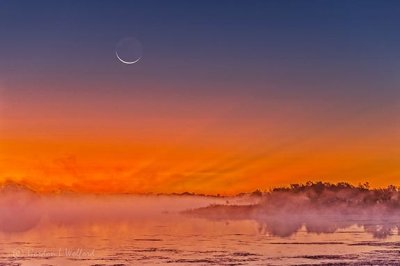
(279,228)
(316,207)
(22,209)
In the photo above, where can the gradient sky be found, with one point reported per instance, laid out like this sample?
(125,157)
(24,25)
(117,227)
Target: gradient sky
(229,96)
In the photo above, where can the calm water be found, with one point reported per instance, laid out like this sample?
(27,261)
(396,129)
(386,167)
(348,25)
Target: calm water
(158,235)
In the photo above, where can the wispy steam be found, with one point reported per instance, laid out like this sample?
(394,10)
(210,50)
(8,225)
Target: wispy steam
(319,207)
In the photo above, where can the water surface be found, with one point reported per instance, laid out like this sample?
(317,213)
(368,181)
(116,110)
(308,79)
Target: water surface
(152,231)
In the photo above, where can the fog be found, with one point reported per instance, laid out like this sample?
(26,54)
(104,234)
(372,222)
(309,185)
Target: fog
(22,209)
(316,207)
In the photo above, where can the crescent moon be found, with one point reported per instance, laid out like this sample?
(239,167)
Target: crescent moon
(126,62)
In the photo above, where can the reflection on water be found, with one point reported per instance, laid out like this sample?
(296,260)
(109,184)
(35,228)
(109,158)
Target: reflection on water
(68,230)
(284,226)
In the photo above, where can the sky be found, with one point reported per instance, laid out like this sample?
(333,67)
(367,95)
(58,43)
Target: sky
(228,97)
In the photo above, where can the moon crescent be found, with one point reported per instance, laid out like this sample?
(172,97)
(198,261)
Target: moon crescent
(126,62)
